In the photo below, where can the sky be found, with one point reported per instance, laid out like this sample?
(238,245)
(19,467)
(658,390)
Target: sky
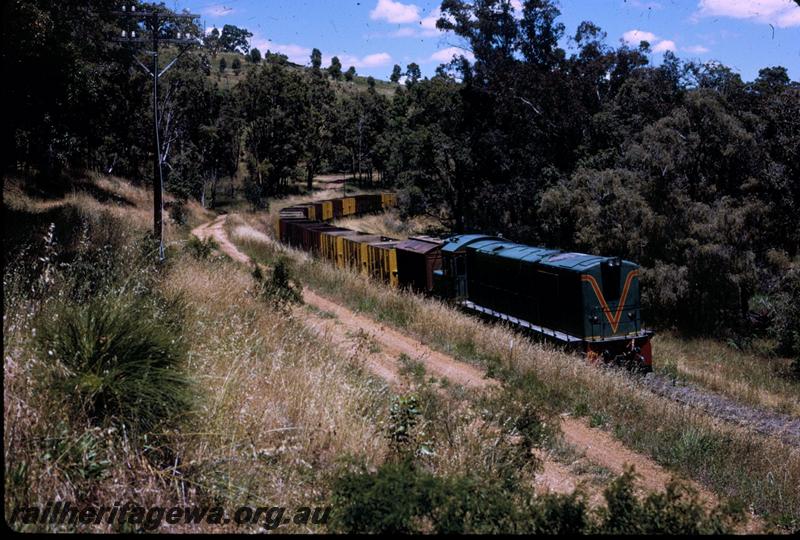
(373,35)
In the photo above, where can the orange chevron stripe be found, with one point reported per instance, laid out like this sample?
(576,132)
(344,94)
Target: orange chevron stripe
(617,317)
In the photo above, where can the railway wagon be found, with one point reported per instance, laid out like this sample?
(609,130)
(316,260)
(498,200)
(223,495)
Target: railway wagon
(331,246)
(309,235)
(417,260)
(388,200)
(354,249)
(382,262)
(368,204)
(288,230)
(583,301)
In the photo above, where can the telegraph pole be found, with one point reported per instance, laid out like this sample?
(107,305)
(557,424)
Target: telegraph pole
(156,19)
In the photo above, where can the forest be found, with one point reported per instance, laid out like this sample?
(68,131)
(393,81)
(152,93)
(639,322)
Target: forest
(680,166)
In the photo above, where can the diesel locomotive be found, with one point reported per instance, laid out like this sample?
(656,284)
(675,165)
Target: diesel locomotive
(584,302)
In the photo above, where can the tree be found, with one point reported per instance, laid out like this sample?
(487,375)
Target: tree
(316,59)
(274,102)
(350,74)
(223,65)
(236,65)
(413,73)
(254,56)
(321,123)
(335,69)
(211,42)
(235,39)
(397,73)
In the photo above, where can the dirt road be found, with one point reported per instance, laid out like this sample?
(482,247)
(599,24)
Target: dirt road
(340,325)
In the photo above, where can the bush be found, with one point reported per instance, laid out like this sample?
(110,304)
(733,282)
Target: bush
(178,213)
(201,249)
(676,511)
(401,498)
(281,289)
(123,361)
(404,415)
(785,325)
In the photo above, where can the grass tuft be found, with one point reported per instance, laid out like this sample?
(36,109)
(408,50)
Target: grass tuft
(122,363)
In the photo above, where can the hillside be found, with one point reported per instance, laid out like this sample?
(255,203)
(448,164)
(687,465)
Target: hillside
(602,338)
(265,429)
(229,79)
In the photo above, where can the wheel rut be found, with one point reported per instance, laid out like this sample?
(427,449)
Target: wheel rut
(341,325)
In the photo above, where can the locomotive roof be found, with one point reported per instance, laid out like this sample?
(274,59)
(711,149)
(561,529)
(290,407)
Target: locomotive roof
(510,250)
(455,243)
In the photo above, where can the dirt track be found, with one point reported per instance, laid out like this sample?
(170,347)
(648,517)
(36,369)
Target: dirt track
(342,324)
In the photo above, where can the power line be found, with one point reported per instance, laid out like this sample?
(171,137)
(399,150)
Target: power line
(155,18)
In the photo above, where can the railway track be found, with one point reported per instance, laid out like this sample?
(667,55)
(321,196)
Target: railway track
(596,445)
(445,366)
(772,424)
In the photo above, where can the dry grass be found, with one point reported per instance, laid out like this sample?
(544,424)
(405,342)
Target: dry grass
(748,377)
(762,473)
(278,408)
(391,224)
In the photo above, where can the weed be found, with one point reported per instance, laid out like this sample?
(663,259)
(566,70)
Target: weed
(597,420)
(201,249)
(280,290)
(580,410)
(413,369)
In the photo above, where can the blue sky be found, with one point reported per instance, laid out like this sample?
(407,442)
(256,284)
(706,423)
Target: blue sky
(373,35)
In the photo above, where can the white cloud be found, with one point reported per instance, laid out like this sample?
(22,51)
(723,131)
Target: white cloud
(369,61)
(218,10)
(696,49)
(374,60)
(405,32)
(296,53)
(428,24)
(780,13)
(665,45)
(394,12)
(634,37)
(445,55)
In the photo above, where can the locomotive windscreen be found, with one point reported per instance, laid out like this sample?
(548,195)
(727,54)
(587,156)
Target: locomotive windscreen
(611,279)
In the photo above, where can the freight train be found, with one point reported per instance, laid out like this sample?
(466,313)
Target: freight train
(584,302)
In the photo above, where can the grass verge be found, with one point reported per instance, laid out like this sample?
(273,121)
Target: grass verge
(759,472)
